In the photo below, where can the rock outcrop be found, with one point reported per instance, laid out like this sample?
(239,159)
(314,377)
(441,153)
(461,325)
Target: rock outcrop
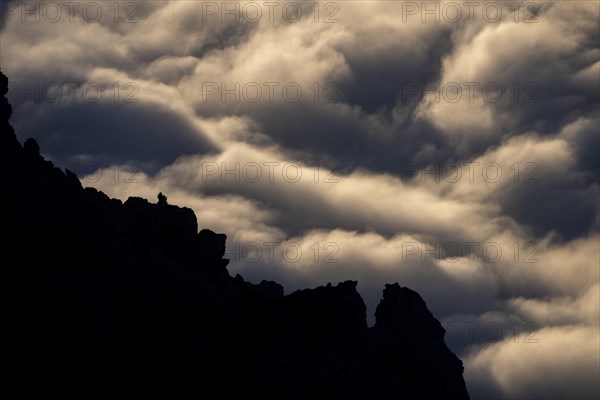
(109,298)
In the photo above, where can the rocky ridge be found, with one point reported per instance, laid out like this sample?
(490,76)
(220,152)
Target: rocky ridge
(107,297)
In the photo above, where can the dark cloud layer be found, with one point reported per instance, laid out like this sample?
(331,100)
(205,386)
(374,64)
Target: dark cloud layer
(107,133)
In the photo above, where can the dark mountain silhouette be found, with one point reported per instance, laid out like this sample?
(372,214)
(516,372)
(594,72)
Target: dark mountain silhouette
(105,298)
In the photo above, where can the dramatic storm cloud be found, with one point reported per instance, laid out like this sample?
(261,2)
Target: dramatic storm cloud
(447,146)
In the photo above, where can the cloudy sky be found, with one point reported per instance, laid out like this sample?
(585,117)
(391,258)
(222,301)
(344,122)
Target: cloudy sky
(449,146)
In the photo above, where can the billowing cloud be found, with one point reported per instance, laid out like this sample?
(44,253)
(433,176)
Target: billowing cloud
(535,368)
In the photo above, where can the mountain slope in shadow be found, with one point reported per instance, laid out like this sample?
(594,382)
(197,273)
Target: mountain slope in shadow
(110,298)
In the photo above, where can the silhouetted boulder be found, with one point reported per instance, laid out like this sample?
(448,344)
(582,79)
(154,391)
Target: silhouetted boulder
(31,149)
